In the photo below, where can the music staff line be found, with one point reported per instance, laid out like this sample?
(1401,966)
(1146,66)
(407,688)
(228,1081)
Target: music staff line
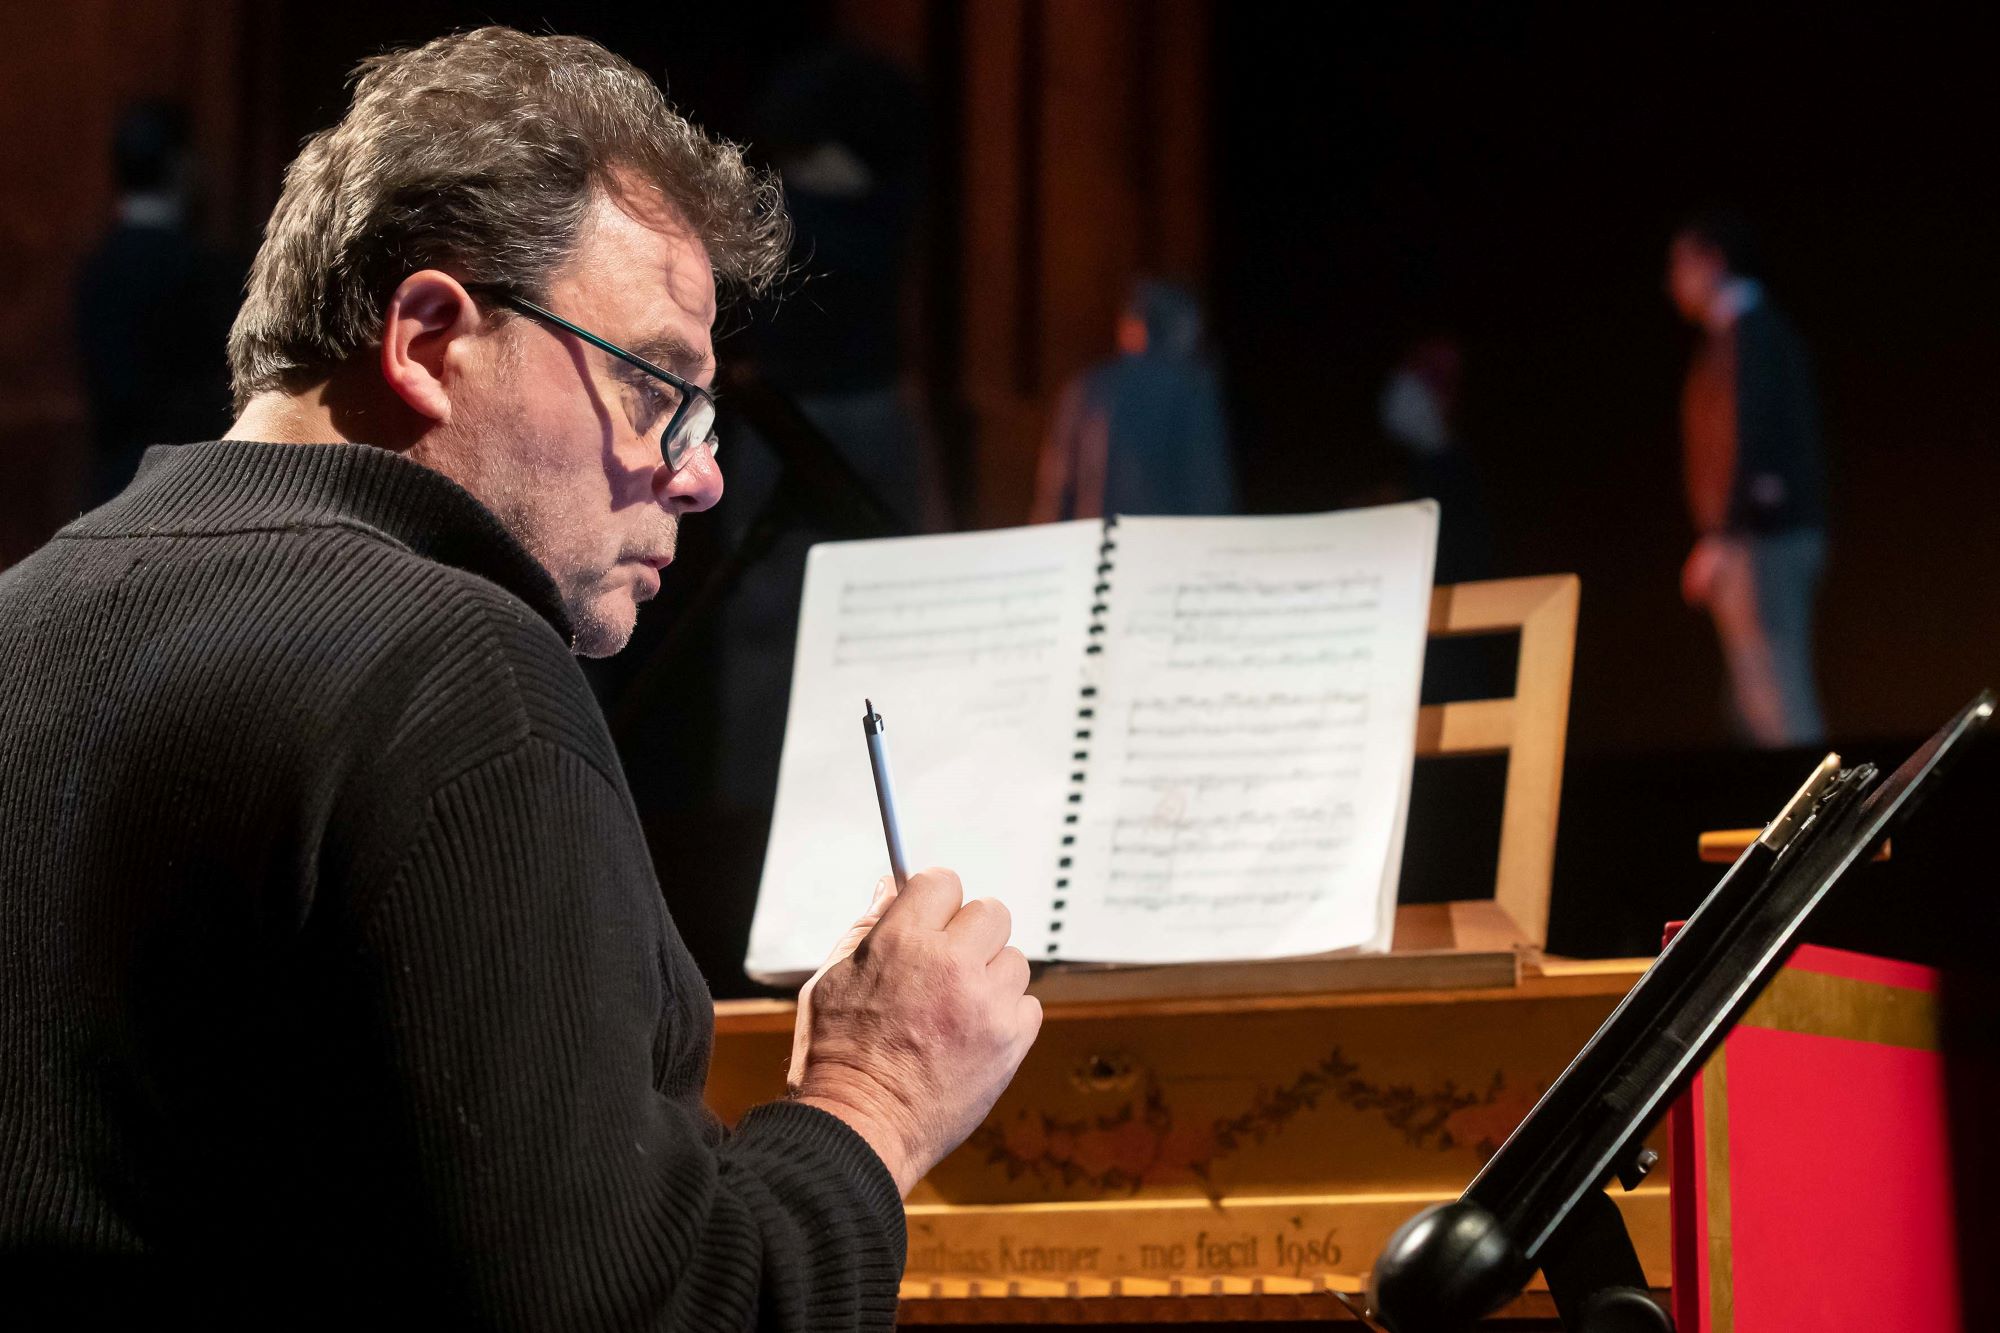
(1002,600)
(1238,819)
(1264,612)
(1206,782)
(1269,895)
(1253,702)
(1250,662)
(970,655)
(1241,753)
(1316,871)
(933,631)
(1176,849)
(1241,586)
(1178,638)
(1056,572)
(1353,723)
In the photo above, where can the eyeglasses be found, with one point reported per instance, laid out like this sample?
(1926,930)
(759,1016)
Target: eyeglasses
(693,421)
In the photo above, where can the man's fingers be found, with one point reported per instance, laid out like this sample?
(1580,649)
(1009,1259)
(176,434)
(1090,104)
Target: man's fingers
(927,901)
(981,927)
(1009,969)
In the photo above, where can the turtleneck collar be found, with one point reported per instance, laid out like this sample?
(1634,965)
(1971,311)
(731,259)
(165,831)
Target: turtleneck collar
(238,485)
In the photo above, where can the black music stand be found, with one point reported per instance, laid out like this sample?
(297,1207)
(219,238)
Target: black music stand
(1541,1202)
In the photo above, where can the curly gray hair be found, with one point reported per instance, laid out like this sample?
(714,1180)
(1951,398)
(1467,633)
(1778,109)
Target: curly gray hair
(479,154)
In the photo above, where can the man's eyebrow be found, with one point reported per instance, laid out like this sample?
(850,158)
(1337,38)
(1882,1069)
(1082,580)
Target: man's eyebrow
(676,354)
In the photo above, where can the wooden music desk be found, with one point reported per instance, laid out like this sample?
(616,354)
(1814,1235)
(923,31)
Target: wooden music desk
(1223,1159)
(1235,1143)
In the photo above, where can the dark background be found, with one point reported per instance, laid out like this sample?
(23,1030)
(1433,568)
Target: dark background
(1513,172)
(1335,180)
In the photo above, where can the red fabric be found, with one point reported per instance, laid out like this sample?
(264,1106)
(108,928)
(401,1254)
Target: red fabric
(1840,1210)
(1840,1186)
(1686,1206)
(1863,967)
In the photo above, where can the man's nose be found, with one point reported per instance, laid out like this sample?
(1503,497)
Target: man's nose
(694,486)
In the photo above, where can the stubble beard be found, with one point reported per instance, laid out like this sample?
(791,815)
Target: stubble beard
(513,470)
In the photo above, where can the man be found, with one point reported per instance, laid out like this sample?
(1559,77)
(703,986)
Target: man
(1418,413)
(152,305)
(1755,482)
(1144,433)
(335,984)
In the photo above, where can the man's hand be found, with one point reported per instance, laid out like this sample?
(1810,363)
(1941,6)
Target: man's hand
(885,893)
(916,1023)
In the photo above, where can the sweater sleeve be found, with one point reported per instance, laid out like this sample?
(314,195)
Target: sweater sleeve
(509,1023)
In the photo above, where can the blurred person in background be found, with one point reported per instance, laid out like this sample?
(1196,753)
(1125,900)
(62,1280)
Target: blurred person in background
(153,306)
(847,132)
(1145,432)
(1755,480)
(1418,413)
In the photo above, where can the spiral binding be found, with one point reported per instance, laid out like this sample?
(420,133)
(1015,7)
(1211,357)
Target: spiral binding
(1086,721)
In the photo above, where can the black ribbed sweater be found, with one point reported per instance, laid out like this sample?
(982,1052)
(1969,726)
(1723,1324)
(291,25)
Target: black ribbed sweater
(335,984)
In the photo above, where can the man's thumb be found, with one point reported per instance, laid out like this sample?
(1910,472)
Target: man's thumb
(885,893)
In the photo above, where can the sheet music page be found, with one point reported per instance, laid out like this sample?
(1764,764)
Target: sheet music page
(972,647)
(1252,737)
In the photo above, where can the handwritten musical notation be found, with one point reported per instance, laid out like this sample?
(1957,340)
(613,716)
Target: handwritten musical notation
(1268,771)
(1238,772)
(1204,723)
(1203,783)
(1207,912)
(971,644)
(1171,848)
(917,595)
(1225,623)
(957,620)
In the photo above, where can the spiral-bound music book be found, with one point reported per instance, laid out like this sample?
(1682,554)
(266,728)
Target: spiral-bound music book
(1157,740)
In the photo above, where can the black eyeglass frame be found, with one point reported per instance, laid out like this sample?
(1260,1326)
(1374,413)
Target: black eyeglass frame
(690,391)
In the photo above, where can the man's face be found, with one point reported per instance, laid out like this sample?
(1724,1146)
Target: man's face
(565,439)
(1695,273)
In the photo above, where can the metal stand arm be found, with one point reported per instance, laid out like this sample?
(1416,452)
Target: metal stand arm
(1594,1274)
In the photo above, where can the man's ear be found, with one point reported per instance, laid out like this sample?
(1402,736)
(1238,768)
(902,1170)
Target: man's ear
(426,314)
